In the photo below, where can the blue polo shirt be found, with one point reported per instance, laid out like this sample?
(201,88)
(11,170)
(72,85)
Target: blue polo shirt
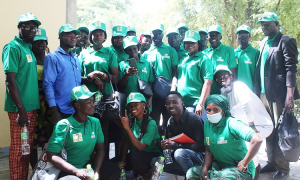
(61,74)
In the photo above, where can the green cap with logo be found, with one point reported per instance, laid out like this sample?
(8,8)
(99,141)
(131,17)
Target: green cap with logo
(267,16)
(158,26)
(182,25)
(135,97)
(172,31)
(131,28)
(130,41)
(81,93)
(222,68)
(215,28)
(40,35)
(203,31)
(243,28)
(119,30)
(191,36)
(97,26)
(29,17)
(68,28)
(84,29)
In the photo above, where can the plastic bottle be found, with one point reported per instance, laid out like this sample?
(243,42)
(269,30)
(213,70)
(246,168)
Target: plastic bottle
(25,141)
(89,171)
(123,173)
(158,168)
(167,154)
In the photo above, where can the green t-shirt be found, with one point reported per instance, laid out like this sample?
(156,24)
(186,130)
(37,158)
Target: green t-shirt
(102,60)
(182,53)
(80,140)
(247,59)
(148,138)
(263,57)
(163,59)
(222,55)
(226,142)
(17,57)
(121,55)
(192,72)
(145,72)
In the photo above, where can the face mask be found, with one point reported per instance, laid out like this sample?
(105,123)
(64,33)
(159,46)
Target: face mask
(214,118)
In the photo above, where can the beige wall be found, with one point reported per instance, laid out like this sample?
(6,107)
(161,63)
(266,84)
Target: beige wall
(52,15)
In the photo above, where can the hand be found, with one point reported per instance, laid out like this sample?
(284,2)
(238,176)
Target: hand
(166,144)
(91,76)
(289,103)
(149,102)
(81,173)
(99,84)
(204,175)
(199,109)
(131,71)
(125,121)
(23,118)
(242,167)
(55,116)
(96,176)
(121,163)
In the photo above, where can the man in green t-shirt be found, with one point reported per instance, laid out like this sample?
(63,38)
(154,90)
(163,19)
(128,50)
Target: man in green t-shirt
(203,39)
(175,42)
(22,94)
(182,29)
(246,57)
(275,82)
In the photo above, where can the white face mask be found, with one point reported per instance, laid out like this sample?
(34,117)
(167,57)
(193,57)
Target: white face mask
(214,118)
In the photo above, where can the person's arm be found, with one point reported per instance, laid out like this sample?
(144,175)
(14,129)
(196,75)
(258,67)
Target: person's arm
(124,152)
(208,160)
(204,94)
(232,64)
(174,78)
(99,157)
(130,71)
(174,64)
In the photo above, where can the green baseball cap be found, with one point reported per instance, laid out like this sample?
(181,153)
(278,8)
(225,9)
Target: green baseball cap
(158,27)
(135,97)
(203,30)
(221,68)
(81,92)
(85,29)
(119,30)
(130,41)
(40,34)
(68,28)
(215,28)
(267,16)
(182,25)
(172,31)
(131,29)
(97,25)
(243,28)
(29,17)
(192,36)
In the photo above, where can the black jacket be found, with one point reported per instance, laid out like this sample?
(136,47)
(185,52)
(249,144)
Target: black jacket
(280,68)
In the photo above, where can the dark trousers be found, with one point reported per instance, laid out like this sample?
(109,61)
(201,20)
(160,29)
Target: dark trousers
(158,108)
(108,171)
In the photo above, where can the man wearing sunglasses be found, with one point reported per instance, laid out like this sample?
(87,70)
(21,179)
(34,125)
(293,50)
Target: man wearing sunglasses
(246,57)
(82,40)
(22,94)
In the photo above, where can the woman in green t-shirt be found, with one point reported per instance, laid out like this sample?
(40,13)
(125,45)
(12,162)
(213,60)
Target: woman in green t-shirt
(226,154)
(195,75)
(142,136)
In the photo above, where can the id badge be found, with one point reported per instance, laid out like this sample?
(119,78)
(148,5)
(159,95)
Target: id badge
(77,137)
(29,58)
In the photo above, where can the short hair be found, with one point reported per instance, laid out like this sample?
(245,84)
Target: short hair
(175,93)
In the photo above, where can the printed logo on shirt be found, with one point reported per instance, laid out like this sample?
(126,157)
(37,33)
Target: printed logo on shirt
(237,60)
(93,135)
(222,141)
(207,141)
(29,58)
(166,56)
(77,137)
(248,61)
(220,59)
(145,70)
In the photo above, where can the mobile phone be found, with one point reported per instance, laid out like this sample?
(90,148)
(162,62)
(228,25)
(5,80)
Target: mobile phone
(132,63)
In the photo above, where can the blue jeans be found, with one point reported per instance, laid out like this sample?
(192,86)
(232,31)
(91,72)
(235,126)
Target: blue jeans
(187,158)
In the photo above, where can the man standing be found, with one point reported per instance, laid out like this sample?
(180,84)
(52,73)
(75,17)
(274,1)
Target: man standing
(219,54)
(246,56)
(182,29)
(164,60)
(22,95)
(183,121)
(275,82)
(175,42)
(203,39)
(61,74)
(82,40)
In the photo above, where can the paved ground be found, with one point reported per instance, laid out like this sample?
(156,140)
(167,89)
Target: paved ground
(294,174)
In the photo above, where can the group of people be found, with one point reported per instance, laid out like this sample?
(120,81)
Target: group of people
(228,101)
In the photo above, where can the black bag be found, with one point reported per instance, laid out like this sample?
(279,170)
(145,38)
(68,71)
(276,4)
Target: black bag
(286,140)
(144,87)
(111,105)
(161,86)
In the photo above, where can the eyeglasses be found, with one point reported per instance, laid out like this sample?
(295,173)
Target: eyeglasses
(28,27)
(224,77)
(265,24)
